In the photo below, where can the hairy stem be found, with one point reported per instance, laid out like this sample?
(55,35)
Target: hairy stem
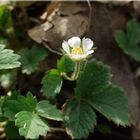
(76,70)
(75,74)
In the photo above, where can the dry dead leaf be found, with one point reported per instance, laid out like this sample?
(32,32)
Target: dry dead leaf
(137,74)
(64,20)
(38,32)
(115,2)
(136,5)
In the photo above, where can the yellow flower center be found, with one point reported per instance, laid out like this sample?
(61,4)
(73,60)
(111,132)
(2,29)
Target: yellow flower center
(77,50)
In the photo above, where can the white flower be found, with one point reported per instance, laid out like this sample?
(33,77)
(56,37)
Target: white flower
(76,49)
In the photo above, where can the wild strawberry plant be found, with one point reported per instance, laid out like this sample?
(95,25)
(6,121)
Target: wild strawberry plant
(26,115)
(128,41)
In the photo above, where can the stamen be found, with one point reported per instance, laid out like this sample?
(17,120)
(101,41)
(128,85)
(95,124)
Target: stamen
(77,50)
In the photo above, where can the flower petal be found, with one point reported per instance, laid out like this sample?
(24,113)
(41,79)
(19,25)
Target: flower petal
(87,44)
(75,57)
(78,57)
(74,42)
(65,46)
(90,52)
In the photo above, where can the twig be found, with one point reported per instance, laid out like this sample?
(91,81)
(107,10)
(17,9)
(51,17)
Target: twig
(35,20)
(50,49)
(90,11)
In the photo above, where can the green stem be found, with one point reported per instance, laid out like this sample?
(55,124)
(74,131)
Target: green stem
(76,70)
(67,77)
(75,74)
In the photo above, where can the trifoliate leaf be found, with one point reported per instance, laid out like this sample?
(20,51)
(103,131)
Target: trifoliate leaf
(30,58)
(94,86)
(94,79)
(65,64)
(94,91)
(8,59)
(45,109)
(81,119)
(31,126)
(112,103)
(128,41)
(20,103)
(51,83)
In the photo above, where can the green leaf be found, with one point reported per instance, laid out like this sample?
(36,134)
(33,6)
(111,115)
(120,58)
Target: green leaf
(94,79)
(65,65)
(14,95)
(112,103)
(31,126)
(20,103)
(8,59)
(10,108)
(133,32)
(51,83)
(94,86)
(81,119)
(95,91)
(30,58)
(27,103)
(5,16)
(128,41)
(11,131)
(45,109)
(121,39)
